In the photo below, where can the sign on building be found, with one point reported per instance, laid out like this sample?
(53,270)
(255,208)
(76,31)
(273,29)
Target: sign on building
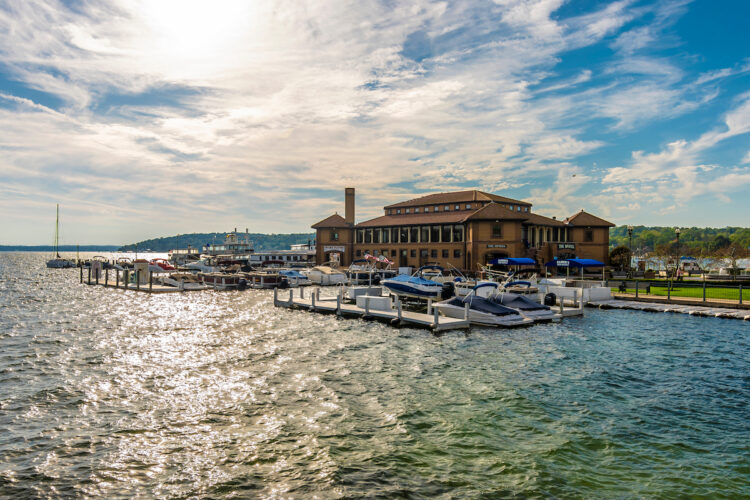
(334,248)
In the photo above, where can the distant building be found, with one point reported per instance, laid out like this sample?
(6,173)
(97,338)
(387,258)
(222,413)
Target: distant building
(465,229)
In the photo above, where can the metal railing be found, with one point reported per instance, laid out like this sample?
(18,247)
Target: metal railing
(682,290)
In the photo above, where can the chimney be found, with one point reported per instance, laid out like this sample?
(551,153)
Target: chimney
(349,205)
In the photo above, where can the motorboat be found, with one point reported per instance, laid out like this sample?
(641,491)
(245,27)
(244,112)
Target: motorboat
(263,278)
(415,286)
(57,261)
(482,310)
(521,303)
(326,275)
(295,278)
(183,281)
(223,281)
(161,266)
(204,265)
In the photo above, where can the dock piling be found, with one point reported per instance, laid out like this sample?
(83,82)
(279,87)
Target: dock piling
(106,277)
(436,319)
(291,296)
(466,311)
(117,278)
(429,306)
(301,293)
(150,281)
(275,297)
(138,279)
(81,269)
(338,305)
(126,275)
(89,278)
(312,298)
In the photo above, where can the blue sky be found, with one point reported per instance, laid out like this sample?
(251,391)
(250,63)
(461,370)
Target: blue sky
(158,117)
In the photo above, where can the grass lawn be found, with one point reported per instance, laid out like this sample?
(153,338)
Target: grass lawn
(711,293)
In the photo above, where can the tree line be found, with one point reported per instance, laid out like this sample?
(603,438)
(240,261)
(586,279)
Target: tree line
(199,240)
(692,240)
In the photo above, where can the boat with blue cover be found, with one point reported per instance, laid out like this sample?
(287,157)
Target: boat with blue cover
(415,285)
(503,295)
(482,310)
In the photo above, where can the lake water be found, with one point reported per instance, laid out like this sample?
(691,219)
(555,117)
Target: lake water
(219,394)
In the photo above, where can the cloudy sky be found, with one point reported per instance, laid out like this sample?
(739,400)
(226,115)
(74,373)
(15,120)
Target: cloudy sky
(157,117)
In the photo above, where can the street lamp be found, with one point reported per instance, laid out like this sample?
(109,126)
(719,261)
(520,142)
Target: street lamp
(630,246)
(677,259)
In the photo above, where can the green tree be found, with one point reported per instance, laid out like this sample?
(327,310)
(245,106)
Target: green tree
(620,257)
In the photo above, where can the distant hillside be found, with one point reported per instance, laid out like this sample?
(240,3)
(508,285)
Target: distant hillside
(692,239)
(198,240)
(63,248)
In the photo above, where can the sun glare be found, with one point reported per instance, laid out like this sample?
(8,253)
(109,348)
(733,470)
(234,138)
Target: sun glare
(203,34)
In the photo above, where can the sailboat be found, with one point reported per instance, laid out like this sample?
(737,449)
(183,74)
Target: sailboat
(58,262)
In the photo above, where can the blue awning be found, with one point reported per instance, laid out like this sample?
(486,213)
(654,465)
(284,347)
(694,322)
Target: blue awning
(511,261)
(577,263)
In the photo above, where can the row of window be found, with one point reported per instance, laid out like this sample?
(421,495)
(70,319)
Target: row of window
(447,208)
(448,233)
(413,253)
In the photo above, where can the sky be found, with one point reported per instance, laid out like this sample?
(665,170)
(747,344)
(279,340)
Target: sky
(149,118)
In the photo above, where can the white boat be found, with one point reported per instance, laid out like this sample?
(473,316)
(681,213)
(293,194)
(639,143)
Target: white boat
(325,275)
(524,305)
(416,285)
(205,265)
(58,262)
(295,278)
(183,281)
(482,310)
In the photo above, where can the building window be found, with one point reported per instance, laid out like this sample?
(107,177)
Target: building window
(407,210)
(394,253)
(468,206)
(360,235)
(394,235)
(414,234)
(386,235)
(510,207)
(359,253)
(404,236)
(497,230)
(433,253)
(519,208)
(457,207)
(458,233)
(368,235)
(445,254)
(398,210)
(435,234)
(423,253)
(446,208)
(588,236)
(437,209)
(376,235)
(425,238)
(416,210)
(446,236)
(334,236)
(525,209)
(413,253)
(426,209)
(457,254)
(384,252)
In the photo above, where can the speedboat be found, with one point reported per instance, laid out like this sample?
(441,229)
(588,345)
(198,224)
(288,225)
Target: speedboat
(183,281)
(205,265)
(326,275)
(482,310)
(161,266)
(413,286)
(294,277)
(521,303)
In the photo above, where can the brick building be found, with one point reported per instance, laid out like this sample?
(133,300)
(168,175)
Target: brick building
(465,229)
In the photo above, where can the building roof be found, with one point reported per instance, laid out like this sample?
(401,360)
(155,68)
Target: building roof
(457,197)
(495,211)
(334,220)
(583,218)
(417,219)
(541,220)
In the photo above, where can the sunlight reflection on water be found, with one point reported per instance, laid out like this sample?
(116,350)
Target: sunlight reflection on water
(113,393)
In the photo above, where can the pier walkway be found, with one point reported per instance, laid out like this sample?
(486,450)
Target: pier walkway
(693,310)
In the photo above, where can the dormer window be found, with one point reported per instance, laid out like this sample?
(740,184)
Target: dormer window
(458,207)
(416,210)
(437,209)
(525,209)
(398,211)
(408,210)
(447,208)
(468,206)
(510,207)
(519,208)
(426,209)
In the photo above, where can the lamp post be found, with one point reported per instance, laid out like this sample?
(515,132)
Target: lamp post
(630,247)
(677,259)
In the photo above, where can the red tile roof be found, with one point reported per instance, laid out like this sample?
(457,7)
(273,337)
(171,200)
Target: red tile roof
(334,220)
(457,197)
(586,219)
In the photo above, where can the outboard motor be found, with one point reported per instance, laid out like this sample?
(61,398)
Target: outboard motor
(376,279)
(242,284)
(449,290)
(283,283)
(550,299)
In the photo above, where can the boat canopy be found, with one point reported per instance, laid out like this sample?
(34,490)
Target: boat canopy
(414,280)
(577,263)
(513,261)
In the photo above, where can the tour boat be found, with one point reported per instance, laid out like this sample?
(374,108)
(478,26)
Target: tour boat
(263,279)
(482,310)
(223,281)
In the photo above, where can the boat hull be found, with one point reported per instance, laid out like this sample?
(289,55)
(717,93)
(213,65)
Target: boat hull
(482,318)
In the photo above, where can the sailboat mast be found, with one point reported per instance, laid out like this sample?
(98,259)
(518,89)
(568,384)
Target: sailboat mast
(57,232)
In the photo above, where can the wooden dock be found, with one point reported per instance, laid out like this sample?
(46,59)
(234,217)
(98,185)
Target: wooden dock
(396,316)
(116,282)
